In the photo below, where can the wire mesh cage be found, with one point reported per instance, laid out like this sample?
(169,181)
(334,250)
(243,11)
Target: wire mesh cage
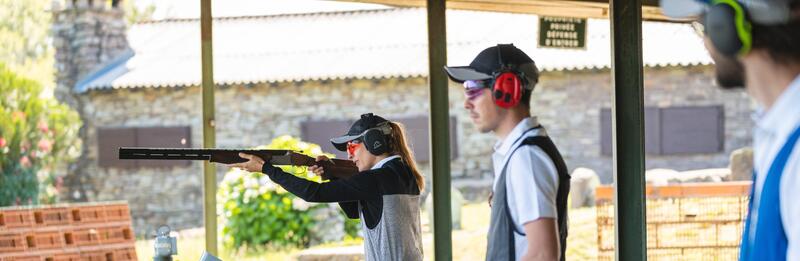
(691,221)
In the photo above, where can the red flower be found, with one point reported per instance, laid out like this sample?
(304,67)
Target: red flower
(43,126)
(25,161)
(45,145)
(2,142)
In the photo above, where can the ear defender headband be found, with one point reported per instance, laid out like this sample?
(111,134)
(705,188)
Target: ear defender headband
(507,84)
(376,139)
(728,28)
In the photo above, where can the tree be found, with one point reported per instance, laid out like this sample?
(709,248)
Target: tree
(25,39)
(135,13)
(38,137)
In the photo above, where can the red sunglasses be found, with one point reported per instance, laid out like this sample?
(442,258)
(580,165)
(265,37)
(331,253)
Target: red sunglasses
(352,146)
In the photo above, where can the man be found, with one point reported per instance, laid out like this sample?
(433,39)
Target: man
(756,44)
(528,219)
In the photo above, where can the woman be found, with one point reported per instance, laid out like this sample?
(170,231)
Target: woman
(384,194)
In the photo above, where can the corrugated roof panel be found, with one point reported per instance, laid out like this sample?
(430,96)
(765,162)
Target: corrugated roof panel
(361,44)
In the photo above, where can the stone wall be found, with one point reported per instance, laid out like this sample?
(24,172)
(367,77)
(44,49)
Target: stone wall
(568,104)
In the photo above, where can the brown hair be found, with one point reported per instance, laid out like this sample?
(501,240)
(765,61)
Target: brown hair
(399,147)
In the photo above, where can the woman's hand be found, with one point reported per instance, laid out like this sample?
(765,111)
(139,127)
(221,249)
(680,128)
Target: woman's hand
(316,169)
(253,163)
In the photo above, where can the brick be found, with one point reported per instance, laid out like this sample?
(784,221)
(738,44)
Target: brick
(63,257)
(83,237)
(119,212)
(115,234)
(44,240)
(89,214)
(52,216)
(128,254)
(24,257)
(97,256)
(12,243)
(16,218)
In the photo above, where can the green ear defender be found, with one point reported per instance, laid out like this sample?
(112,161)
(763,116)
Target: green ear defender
(728,28)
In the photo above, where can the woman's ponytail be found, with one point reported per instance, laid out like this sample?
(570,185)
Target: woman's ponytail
(400,147)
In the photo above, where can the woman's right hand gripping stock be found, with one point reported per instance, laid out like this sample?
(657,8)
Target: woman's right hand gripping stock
(317,169)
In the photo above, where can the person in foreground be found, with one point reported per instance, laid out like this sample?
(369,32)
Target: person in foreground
(384,194)
(756,44)
(529,196)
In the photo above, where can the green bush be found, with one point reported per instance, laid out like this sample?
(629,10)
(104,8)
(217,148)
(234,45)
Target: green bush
(38,137)
(257,212)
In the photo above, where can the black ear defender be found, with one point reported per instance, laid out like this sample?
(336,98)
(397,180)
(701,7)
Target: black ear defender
(728,28)
(376,139)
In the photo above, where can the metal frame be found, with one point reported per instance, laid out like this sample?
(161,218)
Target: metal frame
(628,129)
(627,115)
(439,130)
(209,133)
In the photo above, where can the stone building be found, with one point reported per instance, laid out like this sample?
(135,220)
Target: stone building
(308,75)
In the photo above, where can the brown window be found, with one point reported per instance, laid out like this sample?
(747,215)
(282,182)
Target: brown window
(110,139)
(692,129)
(320,132)
(674,130)
(419,137)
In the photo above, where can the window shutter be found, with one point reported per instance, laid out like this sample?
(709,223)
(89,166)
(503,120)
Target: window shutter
(163,137)
(652,131)
(674,130)
(419,138)
(108,142)
(697,129)
(321,131)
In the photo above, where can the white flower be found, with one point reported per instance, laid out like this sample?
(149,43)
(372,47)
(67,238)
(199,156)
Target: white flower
(265,184)
(249,194)
(299,204)
(251,183)
(232,176)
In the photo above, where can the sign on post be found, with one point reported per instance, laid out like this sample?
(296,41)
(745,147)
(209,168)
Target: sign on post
(562,32)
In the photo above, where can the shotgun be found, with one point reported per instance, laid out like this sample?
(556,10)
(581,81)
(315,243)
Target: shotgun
(334,168)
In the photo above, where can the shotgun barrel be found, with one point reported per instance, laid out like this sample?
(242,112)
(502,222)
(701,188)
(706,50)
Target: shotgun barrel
(334,168)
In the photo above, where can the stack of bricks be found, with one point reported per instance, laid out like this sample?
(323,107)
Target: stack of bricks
(688,221)
(92,232)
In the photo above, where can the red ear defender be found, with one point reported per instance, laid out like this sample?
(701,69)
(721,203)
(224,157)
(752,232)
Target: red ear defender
(507,90)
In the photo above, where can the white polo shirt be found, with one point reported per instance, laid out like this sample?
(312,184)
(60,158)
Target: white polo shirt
(531,179)
(772,129)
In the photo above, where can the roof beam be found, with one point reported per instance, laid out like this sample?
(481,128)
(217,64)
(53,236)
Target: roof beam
(578,8)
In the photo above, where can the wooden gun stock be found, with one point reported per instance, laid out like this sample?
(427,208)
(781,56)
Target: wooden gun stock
(335,168)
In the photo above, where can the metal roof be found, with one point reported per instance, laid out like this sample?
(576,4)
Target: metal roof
(382,43)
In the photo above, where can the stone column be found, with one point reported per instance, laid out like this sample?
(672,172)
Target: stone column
(86,34)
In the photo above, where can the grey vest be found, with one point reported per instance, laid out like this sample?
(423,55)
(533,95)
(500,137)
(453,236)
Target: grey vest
(500,245)
(397,235)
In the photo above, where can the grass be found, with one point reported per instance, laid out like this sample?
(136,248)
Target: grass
(469,243)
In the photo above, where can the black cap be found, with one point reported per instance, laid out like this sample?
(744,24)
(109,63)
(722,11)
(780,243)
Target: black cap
(489,62)
(357,130)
